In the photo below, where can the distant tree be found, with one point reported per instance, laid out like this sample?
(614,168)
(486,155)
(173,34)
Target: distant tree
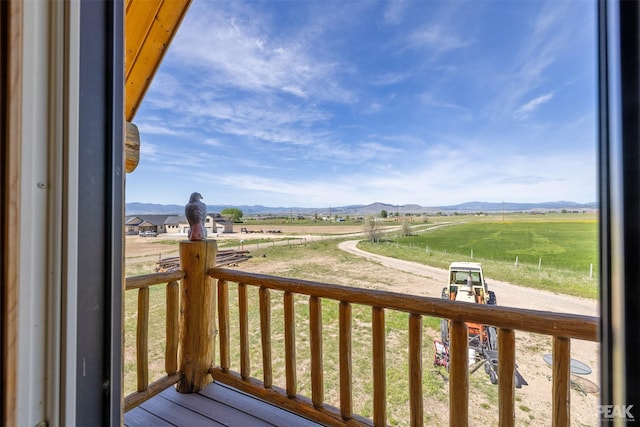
(383,213)
(406,227)
(232,214)
(372,229)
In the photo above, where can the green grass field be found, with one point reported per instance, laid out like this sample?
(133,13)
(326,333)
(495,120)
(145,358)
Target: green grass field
(568,245)
(555,252)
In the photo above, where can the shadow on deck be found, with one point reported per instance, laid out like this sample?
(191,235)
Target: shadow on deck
(217,404)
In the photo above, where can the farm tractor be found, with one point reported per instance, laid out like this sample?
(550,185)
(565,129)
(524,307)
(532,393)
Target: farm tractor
(467,284)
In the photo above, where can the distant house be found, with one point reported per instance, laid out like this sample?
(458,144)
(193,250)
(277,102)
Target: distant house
(221,224)
(174,224)
(139,223)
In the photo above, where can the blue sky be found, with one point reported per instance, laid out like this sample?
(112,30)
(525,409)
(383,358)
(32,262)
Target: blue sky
(332,103)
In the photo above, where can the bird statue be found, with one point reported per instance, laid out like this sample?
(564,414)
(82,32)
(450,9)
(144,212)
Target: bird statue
(196,211)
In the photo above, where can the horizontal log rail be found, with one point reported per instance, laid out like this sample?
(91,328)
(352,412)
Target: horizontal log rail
(147,280)
(540,322)
(562,327)
(146,390)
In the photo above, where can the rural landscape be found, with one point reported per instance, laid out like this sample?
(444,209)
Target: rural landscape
(545,262)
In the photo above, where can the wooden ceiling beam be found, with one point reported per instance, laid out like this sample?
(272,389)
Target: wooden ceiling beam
(150,25)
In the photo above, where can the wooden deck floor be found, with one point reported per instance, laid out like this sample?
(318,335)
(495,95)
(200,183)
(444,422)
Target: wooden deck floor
(216,405)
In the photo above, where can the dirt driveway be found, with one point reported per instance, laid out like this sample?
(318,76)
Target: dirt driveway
(509,295)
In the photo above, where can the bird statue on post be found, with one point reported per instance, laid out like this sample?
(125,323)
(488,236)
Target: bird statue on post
(196,211)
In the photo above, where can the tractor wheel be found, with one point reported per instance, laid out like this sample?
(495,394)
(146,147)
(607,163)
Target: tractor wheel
(492,298)
(492,335)
(487,368)
(493,378)
(444,330)
(516,382)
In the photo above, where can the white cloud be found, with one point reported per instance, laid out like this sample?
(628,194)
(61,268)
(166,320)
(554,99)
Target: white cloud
(550,35)
(295,91)
(147,127)
(148,150)
(525,110)
(395,11)
(388,79)
(436,39)
(212,142)
(243,53)
(429,99)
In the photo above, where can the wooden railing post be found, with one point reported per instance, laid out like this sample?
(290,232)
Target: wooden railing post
(197,309)
(223,319)
(290,345)
(172,327)
(317,371)
(506,372)
(415,371)
(142,339)
(459,375)
(561,381)
(243,311)
(346,369)
(265,332)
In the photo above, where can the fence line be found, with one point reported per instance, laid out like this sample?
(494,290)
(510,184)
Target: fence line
(517,263)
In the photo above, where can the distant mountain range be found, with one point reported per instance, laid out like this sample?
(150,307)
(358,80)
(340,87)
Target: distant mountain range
(136,208)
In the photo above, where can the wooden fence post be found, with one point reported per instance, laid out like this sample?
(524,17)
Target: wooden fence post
(197,315)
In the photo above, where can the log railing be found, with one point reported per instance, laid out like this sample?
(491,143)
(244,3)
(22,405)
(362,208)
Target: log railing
(146,390)
(562,327)
(198,300)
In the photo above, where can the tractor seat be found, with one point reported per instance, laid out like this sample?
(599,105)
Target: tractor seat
(465,296)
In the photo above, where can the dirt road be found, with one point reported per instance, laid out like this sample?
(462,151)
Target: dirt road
(508,295)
